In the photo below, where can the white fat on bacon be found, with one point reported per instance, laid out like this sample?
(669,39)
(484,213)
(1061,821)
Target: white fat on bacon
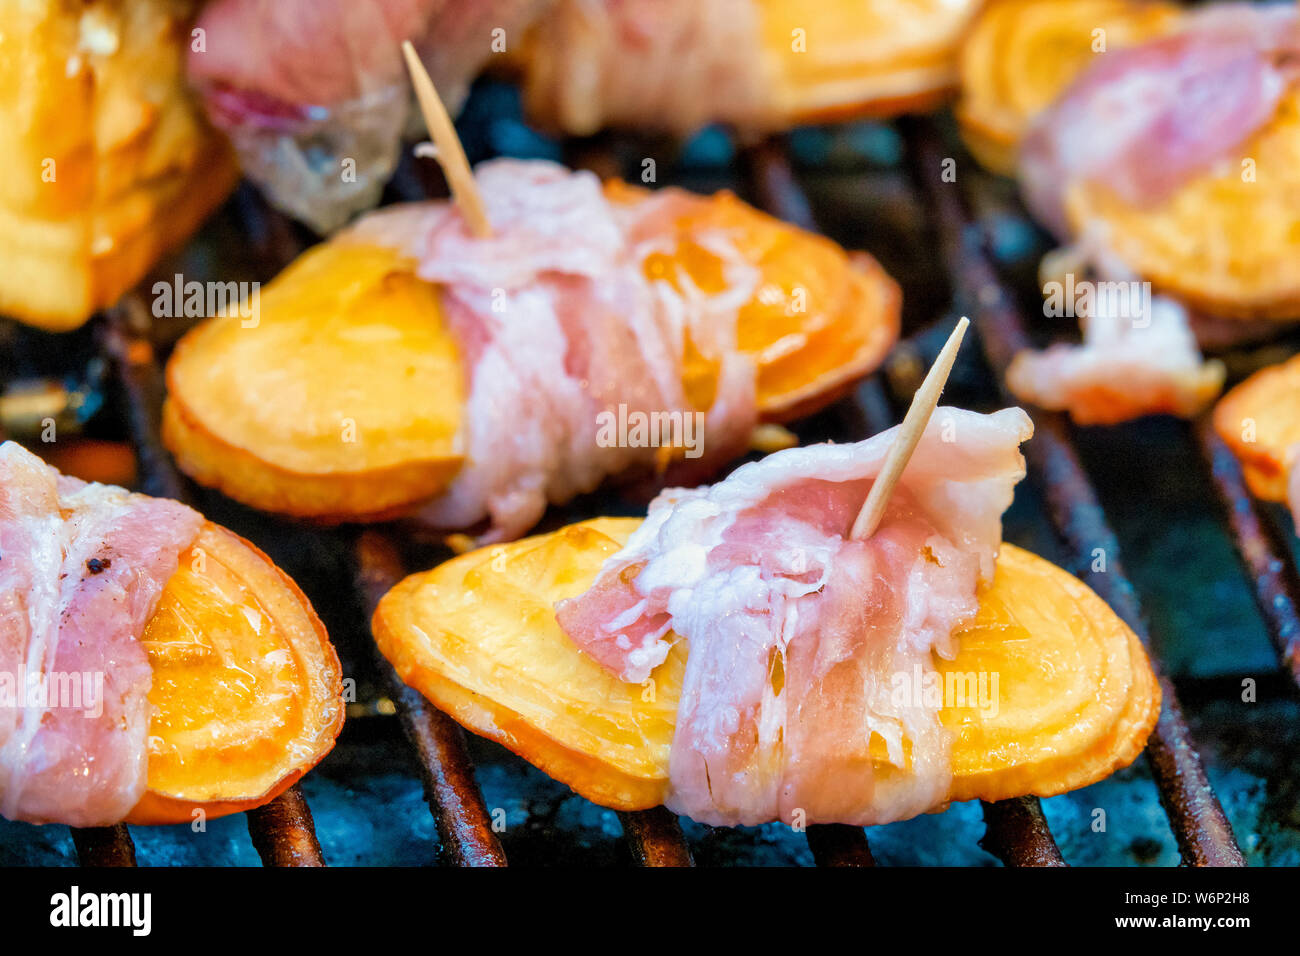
(81,569)
(1127,366)
(557,326)
(804,644)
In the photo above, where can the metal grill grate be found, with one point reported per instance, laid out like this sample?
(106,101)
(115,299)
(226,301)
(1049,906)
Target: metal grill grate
(1016,830)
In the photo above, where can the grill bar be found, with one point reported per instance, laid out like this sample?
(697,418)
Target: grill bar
(775,186)
(1267,561)
(113,846)
(1199,824)
(124,339)
(464,823)
(779,193)
(835,844)
(282,831)
(1016,832)
(655,838)
(104,846)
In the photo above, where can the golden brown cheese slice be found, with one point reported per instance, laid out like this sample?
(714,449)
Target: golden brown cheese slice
(1260,421)
(844,58)
(247,690)
(478,636)
(343,401)
(1019,54)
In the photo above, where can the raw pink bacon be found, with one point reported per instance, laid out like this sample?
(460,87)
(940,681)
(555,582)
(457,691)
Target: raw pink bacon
(81,570)
(799,636)
(558,324)
(677,63)
(1145,119)
(301,85)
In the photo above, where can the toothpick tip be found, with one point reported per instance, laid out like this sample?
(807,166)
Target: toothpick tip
(908,436)
(450,154)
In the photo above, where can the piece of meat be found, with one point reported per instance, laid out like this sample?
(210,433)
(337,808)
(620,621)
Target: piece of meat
(1127,366)
(800,638)
(562,335)
(81,569)
(677,65)
(1145,119)
(304,87)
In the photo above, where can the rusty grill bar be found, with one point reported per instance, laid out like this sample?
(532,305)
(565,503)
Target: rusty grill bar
(464,824)
(1016,830)
(1264,556)
(104,846)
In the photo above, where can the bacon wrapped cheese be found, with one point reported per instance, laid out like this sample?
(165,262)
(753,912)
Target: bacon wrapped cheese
(409,366)
(739,658)
(1019,55)
(152,664)
(1170,164)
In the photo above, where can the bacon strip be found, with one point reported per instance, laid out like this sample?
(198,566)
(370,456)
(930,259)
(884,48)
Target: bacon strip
(559,326)
(801,638)
(81,569)
(1293,485)
(678,64)
(1146,119)
(1127,367)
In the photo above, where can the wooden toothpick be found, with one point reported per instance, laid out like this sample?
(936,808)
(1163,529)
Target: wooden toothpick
(451,155)
(909,433)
